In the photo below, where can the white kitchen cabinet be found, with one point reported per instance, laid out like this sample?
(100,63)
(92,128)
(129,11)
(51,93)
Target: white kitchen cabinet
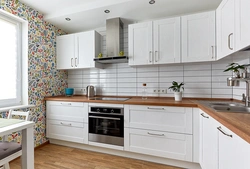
(65,51)
(198,37)
(233,151)
(233,24)
(208,142)
(225,22)
(78,50)
(220,147)
(67,121)
(159,130)
(159,143)
(242,22)
(155,42)
(160,118)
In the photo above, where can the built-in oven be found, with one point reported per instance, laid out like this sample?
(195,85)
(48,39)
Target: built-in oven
(106,125)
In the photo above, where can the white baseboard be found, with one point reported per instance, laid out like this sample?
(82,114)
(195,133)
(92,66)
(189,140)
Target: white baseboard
(160,160)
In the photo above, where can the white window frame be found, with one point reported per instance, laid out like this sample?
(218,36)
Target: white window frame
(22,87)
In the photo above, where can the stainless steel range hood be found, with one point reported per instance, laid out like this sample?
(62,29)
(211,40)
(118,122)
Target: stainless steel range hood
(114,42)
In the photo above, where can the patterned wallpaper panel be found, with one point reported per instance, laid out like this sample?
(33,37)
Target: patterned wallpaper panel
(44,79)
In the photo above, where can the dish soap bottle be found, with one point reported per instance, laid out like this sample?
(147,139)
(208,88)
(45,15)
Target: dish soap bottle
(144,91)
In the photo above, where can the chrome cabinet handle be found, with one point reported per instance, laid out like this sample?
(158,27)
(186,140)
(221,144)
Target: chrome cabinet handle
(203,115)
(72,62)
(150,56)
(156,108)
(64,124)
(153,134)
(66,104)
(220,129)
(75,62)
(100,117)
(229,41)
(156,58)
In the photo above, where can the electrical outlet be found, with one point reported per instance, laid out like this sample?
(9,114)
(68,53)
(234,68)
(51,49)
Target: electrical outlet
(164,90)
(155,90)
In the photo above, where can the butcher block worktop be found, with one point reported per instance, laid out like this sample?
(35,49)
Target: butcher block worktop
(239,123)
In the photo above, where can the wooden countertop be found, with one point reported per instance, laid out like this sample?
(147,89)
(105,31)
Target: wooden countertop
(239,123)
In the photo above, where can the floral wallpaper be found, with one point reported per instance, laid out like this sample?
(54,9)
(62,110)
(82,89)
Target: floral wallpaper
(44,79)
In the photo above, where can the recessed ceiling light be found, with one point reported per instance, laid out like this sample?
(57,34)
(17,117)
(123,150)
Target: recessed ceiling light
(107,11)
(67,19)
(151,2)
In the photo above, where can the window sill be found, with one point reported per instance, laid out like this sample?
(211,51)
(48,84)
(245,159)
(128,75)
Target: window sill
(16,107)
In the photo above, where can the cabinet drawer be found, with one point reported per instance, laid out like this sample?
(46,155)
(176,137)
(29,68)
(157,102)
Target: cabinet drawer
(171,119)
(67,130)
(163,144)
(69,111)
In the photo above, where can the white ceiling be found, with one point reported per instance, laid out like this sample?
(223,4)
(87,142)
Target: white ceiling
(89,14)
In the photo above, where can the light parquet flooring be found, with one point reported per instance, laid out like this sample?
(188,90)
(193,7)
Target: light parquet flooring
(59,157)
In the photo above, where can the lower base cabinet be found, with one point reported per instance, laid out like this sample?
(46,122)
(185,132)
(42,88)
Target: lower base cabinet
(157,143)
(67,121)
(220,147)
(67,131)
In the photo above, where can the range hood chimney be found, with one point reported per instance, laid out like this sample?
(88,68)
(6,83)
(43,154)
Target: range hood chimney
(114,42)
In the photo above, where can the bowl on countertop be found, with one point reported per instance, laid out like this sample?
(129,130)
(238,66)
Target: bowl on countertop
(69,91)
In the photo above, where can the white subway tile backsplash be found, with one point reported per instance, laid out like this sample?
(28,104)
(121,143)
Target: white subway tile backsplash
(197,66)
(198,79)
(171,74)
(195,73)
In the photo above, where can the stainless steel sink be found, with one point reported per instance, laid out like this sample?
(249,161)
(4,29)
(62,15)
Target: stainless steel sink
(225,104)
(227,107)
(231,109)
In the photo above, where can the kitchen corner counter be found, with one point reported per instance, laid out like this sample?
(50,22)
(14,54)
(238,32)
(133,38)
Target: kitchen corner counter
(239,123)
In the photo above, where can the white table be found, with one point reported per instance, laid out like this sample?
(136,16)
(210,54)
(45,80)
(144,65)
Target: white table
(27,140)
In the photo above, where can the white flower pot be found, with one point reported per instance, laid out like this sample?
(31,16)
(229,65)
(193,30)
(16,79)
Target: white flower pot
(178,96)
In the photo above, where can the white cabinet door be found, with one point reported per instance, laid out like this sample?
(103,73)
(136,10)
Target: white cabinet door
(65,51)
(88,48)
(160,118)
(167,40)
(225,23)
(198,37)
(209,142)
(156,143)
(242,23)
(140,44)
(67,131)
(228,153)
(67,121)
(78,50)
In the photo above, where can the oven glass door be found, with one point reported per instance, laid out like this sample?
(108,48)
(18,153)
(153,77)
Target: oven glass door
(110,125)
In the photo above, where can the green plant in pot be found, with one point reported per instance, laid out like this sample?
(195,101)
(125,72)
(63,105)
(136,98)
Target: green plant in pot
(236,68)
(176,88)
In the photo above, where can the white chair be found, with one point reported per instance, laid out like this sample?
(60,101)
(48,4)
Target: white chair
(11,150)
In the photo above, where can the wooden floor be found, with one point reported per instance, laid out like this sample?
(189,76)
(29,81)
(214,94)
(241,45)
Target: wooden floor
(53,156)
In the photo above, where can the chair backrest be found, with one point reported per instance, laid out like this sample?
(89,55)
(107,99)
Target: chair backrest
(26,114)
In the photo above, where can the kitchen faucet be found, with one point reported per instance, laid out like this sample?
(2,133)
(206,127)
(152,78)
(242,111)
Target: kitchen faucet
(234,81)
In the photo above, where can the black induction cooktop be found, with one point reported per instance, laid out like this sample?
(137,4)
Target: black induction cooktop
(109,98)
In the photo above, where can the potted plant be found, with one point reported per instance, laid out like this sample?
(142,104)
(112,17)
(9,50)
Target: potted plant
(235,68)
(177,90)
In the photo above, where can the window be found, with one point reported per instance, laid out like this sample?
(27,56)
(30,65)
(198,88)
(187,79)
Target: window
(10,61)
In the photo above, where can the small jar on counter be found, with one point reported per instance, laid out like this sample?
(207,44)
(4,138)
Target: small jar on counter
(144,91)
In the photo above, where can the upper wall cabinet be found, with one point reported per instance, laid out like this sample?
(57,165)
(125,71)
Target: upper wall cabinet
(156,42)
(198,37)
(225,28)
(233,26)
(78,50)
(242,20)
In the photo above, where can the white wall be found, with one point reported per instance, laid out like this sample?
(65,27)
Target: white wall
(206,80)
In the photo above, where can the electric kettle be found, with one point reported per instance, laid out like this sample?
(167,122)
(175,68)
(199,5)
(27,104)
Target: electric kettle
(90,91)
